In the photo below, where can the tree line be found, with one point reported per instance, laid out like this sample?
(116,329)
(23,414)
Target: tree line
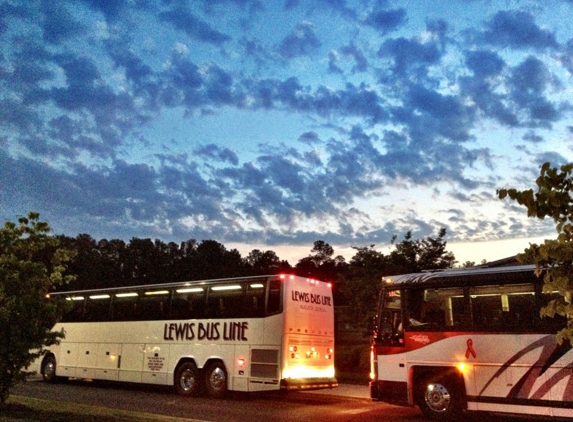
(113,263)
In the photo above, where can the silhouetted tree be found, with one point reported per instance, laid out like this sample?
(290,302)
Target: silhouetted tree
(212,260)
(321,265)
(412,256)
(85,264)
(262,263)
(184,260)
(360,284)
(146,262)
(112,257)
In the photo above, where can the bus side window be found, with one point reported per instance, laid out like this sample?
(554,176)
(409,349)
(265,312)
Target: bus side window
(188,303)
(435,308)
(76,310)
(506,307)
(124,308)
(154,305)
(98,308)
(274,299)
(254,304)
(180,308)
(226,301)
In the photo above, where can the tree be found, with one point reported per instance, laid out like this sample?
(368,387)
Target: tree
(212,260)
(412,256)
(360,285)
(31,265)
(263,263)
(553,258)
(321,265)
(147,262)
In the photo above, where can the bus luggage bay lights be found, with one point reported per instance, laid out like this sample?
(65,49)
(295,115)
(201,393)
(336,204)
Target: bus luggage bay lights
(241,334)
(470,339)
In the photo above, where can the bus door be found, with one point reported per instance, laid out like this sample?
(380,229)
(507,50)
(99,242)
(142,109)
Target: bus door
(390,329)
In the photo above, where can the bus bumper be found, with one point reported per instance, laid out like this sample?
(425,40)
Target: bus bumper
(308,383)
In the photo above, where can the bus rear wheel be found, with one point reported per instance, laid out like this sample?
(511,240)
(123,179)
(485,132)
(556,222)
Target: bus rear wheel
(49,369)
(187,381)
(216,379)
(441,398)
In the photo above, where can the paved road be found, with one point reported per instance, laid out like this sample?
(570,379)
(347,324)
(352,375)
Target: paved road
(344,404)
(347,403)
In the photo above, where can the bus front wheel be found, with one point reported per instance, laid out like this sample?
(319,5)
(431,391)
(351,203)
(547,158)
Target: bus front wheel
(187,382)
(216,379)
(49,369)
(441,398)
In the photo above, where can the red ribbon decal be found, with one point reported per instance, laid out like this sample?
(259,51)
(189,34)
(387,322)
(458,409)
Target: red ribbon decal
(470,350)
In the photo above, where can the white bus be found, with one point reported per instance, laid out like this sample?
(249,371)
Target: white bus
(470,339)
(240,334)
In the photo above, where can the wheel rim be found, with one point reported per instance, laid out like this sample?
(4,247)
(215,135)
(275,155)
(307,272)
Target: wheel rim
(437,398)
(187,380)
(217,379)
(49,370)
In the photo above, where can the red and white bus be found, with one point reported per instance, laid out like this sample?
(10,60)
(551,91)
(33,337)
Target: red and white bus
(241,334)
(470,339)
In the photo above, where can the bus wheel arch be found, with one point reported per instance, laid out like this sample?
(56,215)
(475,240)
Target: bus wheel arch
(48,368)
(216,378)
(440,393)
(187,378)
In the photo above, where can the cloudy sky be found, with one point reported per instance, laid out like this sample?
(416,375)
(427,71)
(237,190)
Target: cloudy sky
(272,124)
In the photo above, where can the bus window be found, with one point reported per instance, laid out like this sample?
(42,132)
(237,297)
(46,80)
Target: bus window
(76,311)
(436,308)
(98,307)
(275,300)
(503,307)
(124,306)
(390,329)
(188,303)
(255,302)
(226,301)
(154,305)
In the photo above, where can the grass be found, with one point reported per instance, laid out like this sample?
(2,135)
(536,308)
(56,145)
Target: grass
(24,409)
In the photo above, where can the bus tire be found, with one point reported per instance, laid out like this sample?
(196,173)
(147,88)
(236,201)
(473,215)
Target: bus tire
(187,380)
(216,379)
(49,369)
(441,398)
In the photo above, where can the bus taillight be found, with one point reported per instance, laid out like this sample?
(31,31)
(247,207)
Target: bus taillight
(373,368)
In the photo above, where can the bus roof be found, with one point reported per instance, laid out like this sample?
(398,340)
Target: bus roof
(457,274)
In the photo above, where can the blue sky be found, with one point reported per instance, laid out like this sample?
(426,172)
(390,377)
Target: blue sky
(274,124)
